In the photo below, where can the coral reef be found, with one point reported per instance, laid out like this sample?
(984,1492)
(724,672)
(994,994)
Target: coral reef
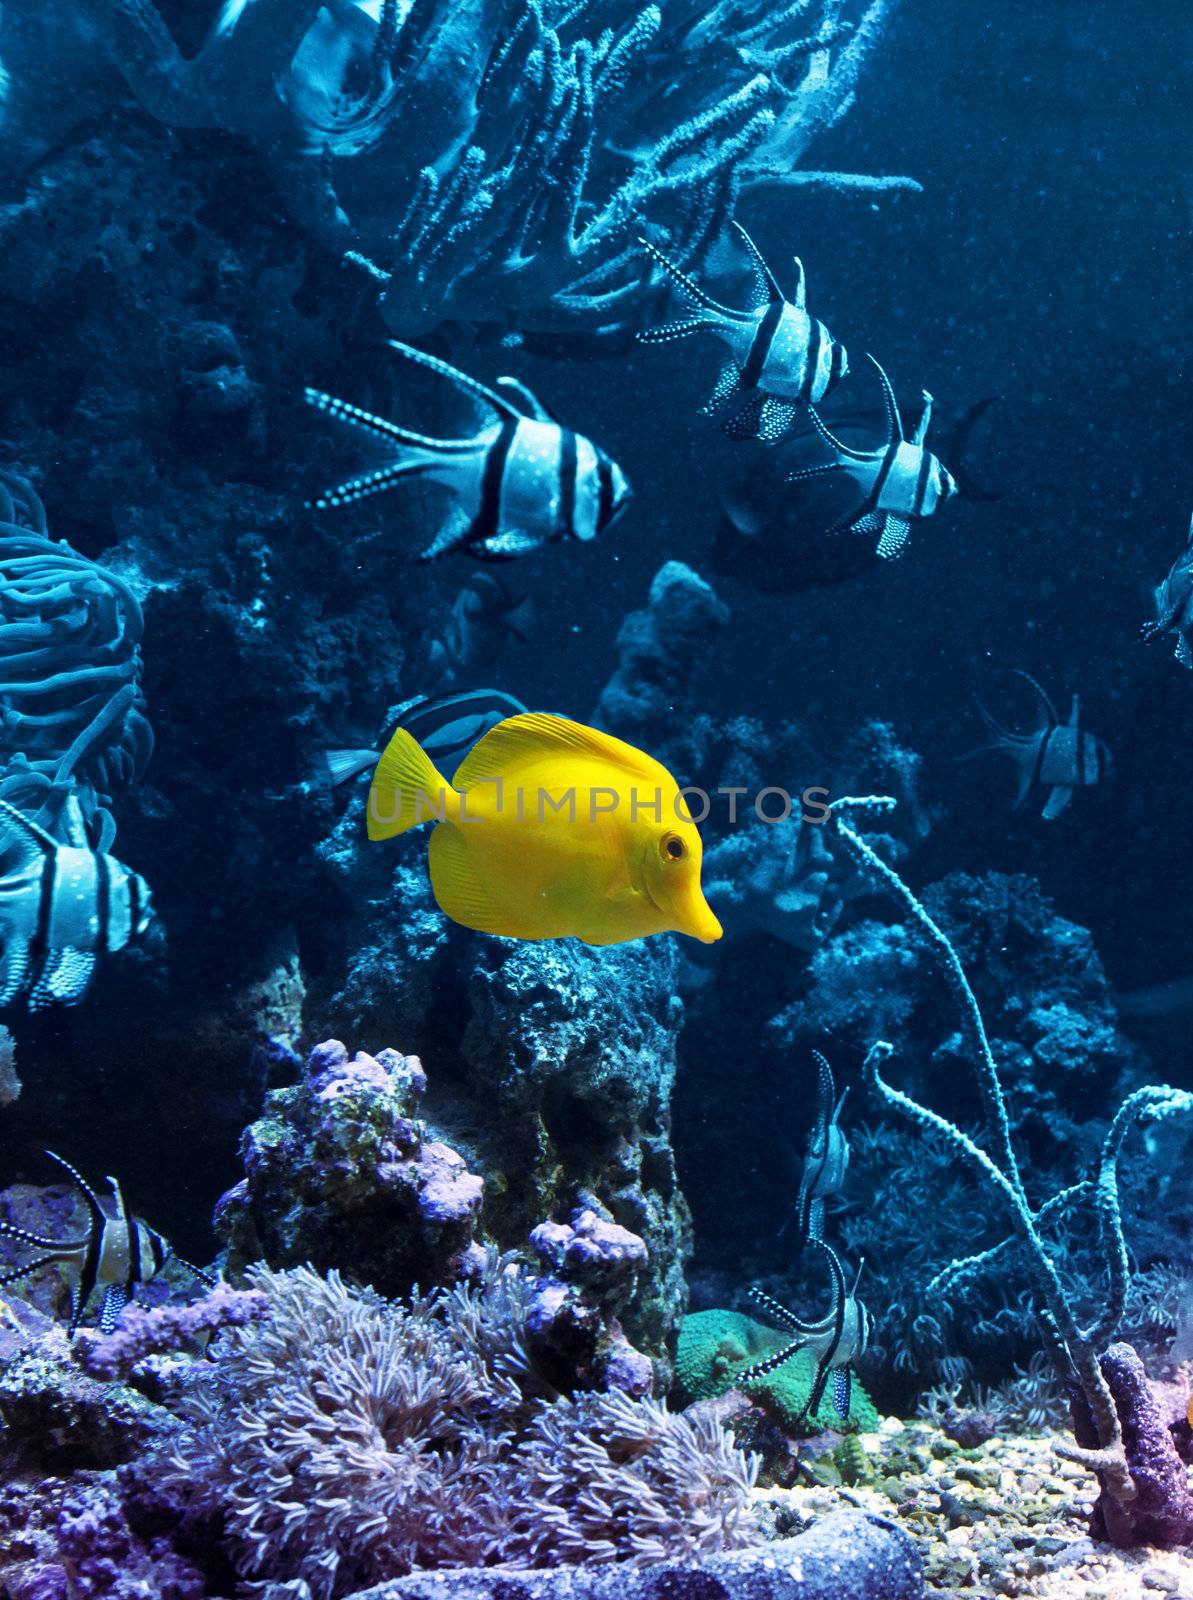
(77,1539)
(72,722)
(54,1417)
(715,1345)
(591,1268)
(493,161)
(346,1440)
(1113,1404)
(659,649)
(553,1067)
(340,1171)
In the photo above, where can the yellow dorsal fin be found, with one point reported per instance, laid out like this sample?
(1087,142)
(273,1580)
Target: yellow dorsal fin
(537,733)
(407,790)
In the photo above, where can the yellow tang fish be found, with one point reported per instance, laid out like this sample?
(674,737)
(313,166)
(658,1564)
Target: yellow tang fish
(552,831)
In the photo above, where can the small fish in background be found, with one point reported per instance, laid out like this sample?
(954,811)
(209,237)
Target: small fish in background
(484,616)
(1174,604)
(445,725)
(522,482)
(61,907)
(838,1340)
(512,854)
(781,358)
(117,1252)
(1056,756)
(826,1157)
(901,483)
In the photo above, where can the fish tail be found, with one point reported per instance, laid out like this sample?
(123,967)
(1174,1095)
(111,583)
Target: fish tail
(407,790)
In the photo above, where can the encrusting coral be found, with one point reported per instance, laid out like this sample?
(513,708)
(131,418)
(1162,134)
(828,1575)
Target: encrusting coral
(346,1439)
(494,160)
(339,1171)
(715,1345)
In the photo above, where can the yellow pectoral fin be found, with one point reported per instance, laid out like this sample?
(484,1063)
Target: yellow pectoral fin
(407,790)
(458,891)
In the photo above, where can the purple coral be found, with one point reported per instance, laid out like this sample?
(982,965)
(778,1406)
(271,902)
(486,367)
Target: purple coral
(142,1333)
(338,1171)
(1161,1512)
(345,1440)
(592,1268)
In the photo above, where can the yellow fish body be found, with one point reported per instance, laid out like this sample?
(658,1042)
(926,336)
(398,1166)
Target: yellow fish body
(552,831)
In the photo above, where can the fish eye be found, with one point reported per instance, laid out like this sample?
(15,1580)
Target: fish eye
(672,847)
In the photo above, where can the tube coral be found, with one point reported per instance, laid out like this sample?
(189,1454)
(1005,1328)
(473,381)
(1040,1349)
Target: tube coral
(72,723)
(493,160)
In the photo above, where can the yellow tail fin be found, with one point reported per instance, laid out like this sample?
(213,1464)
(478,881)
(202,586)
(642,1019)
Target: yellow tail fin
(407,790)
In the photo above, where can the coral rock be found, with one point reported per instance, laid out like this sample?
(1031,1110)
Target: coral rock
(339,1170)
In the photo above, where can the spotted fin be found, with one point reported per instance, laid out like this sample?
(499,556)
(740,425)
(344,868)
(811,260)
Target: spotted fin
(666,332)
(894,537)
(842,1387)
(506,546)
(452,535)
(1057,801)
(745,423)
(1182,652)
(64,979)
(777,417)
(459,893)
(14,969)
(727,385)
(114,1302)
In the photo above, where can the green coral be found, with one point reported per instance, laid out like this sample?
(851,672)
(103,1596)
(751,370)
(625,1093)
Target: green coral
(715,1345)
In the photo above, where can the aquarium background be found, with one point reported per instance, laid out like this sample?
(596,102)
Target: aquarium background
(1044,266)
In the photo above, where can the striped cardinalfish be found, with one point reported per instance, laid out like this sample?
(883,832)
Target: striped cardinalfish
(780,357)
(1174,605)
(445,725)
(117,1252)
(523,481)
(900,483)
(61,907)
(837,1340)
(826,1157)
(1056,756)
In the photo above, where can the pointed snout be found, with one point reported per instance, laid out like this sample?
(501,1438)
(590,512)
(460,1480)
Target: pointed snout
(700,922)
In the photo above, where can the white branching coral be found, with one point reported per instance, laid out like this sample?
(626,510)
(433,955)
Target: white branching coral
(346,1440)
(493,160)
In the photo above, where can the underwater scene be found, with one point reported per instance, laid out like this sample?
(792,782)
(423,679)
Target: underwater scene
(596,628)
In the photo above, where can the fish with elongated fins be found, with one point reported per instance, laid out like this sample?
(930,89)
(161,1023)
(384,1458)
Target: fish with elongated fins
(780,358)
(550,830)
(522,481)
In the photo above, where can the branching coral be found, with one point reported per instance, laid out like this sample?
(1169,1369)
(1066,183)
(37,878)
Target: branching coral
(347,1440)
(492,160)
(72,724)
(1112,1407)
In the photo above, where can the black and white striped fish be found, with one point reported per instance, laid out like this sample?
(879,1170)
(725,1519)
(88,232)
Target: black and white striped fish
(1174,605)
(446,725)
(1057,756)
(521,482)
(837,1340)
(780,357)
(117,1252)
(900,483)
(61,907)
(827,1155)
